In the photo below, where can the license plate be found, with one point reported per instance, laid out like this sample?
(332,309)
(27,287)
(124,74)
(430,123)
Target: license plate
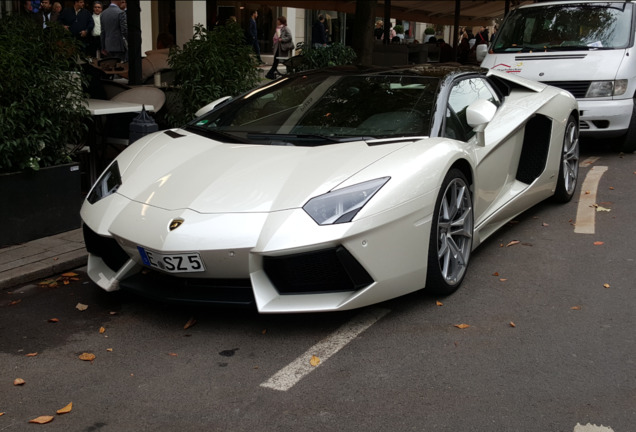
(173,263)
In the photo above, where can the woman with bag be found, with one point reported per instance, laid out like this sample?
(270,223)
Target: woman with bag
(283,45)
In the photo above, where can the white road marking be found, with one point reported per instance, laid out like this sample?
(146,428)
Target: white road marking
(591,428)
(586,212)
(287,377)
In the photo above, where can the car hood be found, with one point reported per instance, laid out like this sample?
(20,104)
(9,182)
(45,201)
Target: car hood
(206,176)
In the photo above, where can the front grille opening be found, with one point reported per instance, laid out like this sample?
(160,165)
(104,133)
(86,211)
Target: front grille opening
(325,271)
(171,289)
(106,248)
(601,124)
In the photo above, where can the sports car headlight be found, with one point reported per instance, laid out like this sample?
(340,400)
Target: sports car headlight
(606,88)
(342,205)
(106,185)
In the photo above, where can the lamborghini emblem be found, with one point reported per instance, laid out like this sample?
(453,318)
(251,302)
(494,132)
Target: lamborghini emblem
(176,223)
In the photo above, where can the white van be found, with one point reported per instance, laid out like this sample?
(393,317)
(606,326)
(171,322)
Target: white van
(584,47)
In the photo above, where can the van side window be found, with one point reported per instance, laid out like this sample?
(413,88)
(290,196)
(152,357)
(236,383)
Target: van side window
(462,94)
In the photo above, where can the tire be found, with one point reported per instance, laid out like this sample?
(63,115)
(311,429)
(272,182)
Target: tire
(569,166)
(627,143)
(451,238)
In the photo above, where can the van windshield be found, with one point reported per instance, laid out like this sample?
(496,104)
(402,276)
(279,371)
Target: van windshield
(566,27)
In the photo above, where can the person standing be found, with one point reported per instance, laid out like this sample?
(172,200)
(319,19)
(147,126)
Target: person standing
(95,42)
(253,36)
(319,33)
(114,32)
(78,21)
(45,15)
(283,45)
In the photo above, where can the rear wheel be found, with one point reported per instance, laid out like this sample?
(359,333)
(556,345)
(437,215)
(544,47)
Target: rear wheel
(569,170)
(451,235)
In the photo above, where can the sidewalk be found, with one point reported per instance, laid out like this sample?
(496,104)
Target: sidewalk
(41,258)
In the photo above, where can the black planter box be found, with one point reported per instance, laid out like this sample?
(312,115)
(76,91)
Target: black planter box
(36,204)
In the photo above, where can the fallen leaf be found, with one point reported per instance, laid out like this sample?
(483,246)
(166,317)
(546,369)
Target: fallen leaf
(53,320)
(31,354)
(109,349)
(70,274)
(611,188)
(495,274)
(81,307)
(15,302)
(49,283)
(264,331)
(598,243)
(190,323)
(42,420)
(87,357)
(512,324)
(66,282)
(606,285)
(1,414)
(545,224)
(18,382)
(173,354)
(502,280)
(462,326)
(102,330)
(512,243)
(112,313)
(587,192)
(439,303)
(66,409)
(314,360)
(576,308)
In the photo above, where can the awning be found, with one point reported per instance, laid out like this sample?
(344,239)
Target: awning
(471,13)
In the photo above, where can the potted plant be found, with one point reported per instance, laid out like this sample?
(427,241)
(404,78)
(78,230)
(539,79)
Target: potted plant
(42,118)
(399,30)
(213,64)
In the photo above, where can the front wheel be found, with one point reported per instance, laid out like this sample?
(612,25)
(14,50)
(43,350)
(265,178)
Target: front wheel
(451,235)
(569,169)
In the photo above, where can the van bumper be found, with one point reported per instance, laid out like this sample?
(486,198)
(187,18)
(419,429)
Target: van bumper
(608,118)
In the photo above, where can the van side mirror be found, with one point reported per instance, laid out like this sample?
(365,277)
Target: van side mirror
(209,107)
(478,115)
(481,51)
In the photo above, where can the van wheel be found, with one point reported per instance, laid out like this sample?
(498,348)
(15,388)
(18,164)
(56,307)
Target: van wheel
(627,143)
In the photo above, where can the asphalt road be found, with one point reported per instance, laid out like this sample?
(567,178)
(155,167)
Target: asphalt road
(550,345)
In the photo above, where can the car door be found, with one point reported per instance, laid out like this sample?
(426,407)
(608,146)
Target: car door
(497,160)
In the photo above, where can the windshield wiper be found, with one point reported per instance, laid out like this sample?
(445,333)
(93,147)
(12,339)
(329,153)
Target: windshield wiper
(303,139)
(214,134)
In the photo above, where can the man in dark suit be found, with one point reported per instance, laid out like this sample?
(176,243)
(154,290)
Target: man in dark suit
(114,33)
(78,21)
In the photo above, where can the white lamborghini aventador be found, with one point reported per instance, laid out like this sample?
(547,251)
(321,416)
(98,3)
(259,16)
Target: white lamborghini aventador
(332,189)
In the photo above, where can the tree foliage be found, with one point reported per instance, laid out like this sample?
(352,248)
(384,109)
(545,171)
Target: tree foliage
(41,109)
(331,55)
(213,64)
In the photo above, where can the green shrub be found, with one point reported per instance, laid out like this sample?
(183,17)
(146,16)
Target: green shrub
(213,64)
(429,31)
(41,110)
(399,29)
(331,55)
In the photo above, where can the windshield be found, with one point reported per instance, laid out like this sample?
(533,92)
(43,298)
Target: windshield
(324,108)
(566,27)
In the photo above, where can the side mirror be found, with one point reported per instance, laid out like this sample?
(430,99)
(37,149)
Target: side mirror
(481,51)
(209,107)
(478,115)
